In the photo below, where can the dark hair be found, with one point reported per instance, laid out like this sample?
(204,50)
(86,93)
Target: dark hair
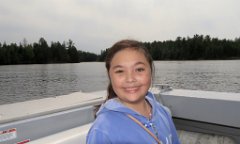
(118,46)
(121,45)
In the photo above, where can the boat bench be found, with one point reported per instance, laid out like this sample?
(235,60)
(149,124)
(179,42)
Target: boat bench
(73,136)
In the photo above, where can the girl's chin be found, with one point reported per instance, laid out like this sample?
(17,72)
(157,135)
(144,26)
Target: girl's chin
(133,96)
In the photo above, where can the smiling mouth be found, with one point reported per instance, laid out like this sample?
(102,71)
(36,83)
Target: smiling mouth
(131,89)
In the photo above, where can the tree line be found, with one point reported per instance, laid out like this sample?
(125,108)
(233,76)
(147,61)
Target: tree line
(198,47)
(42,53)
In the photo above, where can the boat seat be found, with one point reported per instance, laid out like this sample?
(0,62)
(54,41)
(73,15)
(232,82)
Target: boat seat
(73,136)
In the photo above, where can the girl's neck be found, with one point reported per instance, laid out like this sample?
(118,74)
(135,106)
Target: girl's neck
(143,107)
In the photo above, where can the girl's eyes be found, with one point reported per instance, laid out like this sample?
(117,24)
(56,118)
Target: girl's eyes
(136,70)
(119,71)
(140,69)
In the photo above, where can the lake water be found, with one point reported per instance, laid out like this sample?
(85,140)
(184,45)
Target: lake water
(26,82)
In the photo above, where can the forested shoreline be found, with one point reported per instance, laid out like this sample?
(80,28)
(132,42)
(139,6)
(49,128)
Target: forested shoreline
(42,53)
(198,47)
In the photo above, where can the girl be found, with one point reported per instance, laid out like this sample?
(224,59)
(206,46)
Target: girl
(131,114)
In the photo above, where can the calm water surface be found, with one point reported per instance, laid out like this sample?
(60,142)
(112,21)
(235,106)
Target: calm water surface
(26,82)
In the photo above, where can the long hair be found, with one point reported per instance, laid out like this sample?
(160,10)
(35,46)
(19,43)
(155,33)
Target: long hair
(118,46)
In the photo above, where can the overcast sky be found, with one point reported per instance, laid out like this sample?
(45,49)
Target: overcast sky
(94,25)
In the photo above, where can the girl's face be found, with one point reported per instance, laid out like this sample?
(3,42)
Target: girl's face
(130,75)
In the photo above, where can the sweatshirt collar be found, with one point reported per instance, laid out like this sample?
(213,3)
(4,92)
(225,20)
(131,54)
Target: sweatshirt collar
(115,105)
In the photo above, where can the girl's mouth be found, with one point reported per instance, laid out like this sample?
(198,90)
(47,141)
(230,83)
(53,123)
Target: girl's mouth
(131,89)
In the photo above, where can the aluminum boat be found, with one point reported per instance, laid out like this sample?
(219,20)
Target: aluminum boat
(211,116)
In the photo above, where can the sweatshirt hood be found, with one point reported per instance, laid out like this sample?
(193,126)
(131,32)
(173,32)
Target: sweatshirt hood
(115,105)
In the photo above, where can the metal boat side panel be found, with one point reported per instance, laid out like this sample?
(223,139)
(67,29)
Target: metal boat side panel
(218,108)
(72,136)
(42,126)
(39,118)
(29,109)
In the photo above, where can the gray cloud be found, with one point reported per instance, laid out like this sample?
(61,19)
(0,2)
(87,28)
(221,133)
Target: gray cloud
(94,25)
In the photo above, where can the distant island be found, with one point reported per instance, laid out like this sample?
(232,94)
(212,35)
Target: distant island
(198,47)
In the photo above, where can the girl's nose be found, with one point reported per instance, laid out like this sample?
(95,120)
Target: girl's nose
(130,77)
